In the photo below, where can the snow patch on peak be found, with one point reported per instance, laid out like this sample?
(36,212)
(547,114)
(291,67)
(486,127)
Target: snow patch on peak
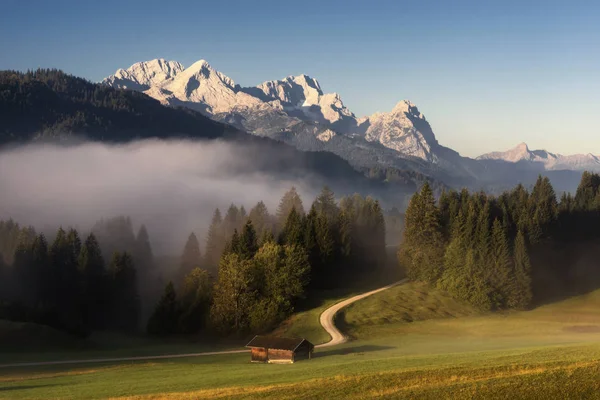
(404,129)
(145,74)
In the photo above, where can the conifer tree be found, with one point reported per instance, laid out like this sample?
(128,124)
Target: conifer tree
(290,200)
(124,299)
(292,232)
(144,259)
(325,204)
(232,221)
(259,215)
(234,295)
(195,301)
(41,267)
(483,236)
(521,295)
(215,241)
(164,320)
(190,257)
(325,244)
(24,268)
(501,265)
(93,285)
(248,243)
(346,234)
(422,251)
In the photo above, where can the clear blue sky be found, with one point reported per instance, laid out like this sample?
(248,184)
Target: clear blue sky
(486,74)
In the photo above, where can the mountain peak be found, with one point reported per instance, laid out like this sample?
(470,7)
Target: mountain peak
(142,75)
(522,146)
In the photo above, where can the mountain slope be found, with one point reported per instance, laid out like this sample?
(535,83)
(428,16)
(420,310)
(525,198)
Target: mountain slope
(51,105)
(296,110)
(143,75)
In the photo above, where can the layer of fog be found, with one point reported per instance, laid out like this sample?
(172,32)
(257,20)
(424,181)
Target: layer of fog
(172,187)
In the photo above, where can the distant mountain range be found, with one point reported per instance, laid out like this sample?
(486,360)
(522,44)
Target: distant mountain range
(297,111)
(49,105)
(545,160)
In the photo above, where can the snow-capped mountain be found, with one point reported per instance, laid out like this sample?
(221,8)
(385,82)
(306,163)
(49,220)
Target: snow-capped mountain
(297,111)
(396,130)
(144,75)
(277,108)
(544,159)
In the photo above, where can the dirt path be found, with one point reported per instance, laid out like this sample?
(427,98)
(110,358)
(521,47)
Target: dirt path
(326,321)
(327,317)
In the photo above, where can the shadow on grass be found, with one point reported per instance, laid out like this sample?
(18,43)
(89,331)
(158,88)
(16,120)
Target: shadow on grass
(24,387)
(350,350)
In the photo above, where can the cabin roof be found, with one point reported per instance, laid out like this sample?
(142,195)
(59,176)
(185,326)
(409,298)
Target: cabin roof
(279,343)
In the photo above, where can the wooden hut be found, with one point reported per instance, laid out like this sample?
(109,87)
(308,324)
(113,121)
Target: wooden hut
(271,349)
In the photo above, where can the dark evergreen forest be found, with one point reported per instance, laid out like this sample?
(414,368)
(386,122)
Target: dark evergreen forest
(245,276)
(513,251)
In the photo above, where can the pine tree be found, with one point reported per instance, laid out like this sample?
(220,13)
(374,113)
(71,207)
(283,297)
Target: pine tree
(293,229)
(325,204)
(422,250)
(501,265)
(483,236)
(215,242)
(190,257)
(324,274)
(248,244)
(346,234)
(455,278)
(144,259)
(195,301)
(232,221)
(124,299)
(290,200)
(93,285)
(41,268)
(24,267)
(259,215)
(234,295)
(521,295)
(164,320)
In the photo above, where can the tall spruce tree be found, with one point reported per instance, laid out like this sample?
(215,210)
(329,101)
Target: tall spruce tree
(422,249)
(124,299)
(248,243)
(521,295)
(143,256)
(190,258)
(164,320)
(325,204)
(93,283)
(196,295)
(500,274)
(215,242)
(293,229)
(290,200)
(259,215)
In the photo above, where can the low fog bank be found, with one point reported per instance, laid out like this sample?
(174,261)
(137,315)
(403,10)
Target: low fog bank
(172,187)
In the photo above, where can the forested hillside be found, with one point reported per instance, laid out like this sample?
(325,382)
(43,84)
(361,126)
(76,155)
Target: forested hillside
(507,252)
(244,275)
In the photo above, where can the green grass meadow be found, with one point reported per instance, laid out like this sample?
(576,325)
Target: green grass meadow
(409,342)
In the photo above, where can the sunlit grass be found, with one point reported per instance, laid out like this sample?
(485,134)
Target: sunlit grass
(552,352)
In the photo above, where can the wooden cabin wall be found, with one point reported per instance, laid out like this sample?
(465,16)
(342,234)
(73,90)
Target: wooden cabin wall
(280,355)
(259,354)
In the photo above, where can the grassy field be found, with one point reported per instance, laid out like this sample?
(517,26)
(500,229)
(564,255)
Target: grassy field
(401,304)
(552,352)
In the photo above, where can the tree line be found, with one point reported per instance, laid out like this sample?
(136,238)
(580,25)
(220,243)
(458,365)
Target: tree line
(254,269)
(263,264)
(507,252)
